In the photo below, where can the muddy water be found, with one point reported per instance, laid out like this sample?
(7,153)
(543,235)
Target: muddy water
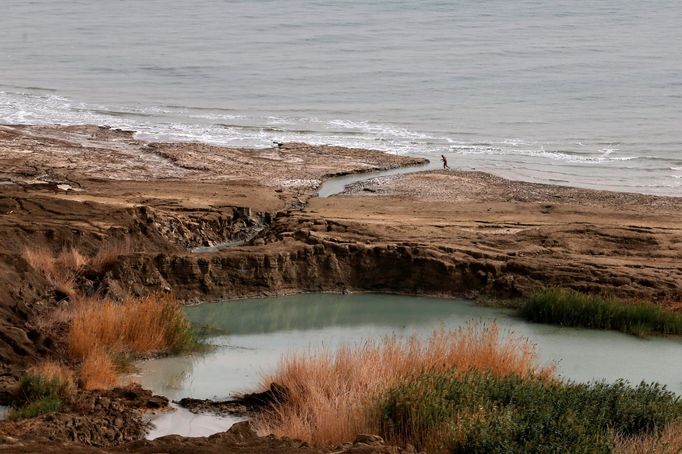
(183,422)
(250,337)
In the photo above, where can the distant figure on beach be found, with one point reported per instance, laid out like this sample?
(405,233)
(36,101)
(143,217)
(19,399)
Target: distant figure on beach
(445,162)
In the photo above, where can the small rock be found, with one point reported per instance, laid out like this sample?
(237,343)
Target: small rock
(242,431)
(369,439)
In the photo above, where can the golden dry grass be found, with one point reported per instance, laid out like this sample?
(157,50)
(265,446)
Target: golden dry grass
(134,326)
(98,371)
(668,441)
(109,253)
(100,330)
(60,270)
(71,259)
(40,259)
(63,268)
(333,396)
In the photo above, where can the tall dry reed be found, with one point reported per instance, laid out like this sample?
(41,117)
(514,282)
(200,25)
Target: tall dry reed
(333,395)
(150,324)
(667,441)
(98,371)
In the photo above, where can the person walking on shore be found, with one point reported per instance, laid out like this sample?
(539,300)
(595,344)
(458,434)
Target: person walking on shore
(445,162)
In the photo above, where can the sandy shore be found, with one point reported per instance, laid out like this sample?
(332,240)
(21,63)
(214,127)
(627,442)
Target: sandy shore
(440,233)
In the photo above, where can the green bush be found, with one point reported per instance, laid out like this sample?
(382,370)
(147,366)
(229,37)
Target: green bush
(36,408)
(180,337)
(477,413)
(569,308)
(36,387)
(39,395)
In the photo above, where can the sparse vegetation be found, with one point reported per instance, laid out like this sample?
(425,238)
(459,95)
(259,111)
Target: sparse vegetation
(102,333)
(108,254)
(334,396)
(35,408)
(569,308)
(63,268)
(61,275)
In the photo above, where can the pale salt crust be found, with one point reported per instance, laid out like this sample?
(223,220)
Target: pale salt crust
(300,183)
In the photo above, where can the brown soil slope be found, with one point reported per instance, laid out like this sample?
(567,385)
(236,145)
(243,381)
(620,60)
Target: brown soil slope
(521,236)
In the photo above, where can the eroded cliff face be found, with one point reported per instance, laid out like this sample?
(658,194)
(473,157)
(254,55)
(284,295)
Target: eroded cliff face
(316,265)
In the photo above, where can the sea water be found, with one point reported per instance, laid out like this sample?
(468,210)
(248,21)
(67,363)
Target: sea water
(560,91)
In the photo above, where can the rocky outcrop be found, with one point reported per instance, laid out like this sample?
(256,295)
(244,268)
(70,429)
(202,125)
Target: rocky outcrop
(239,439)
(107,418)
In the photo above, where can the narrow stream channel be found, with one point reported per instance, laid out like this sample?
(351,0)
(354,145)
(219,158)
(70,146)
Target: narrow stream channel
(250,337)
(337,185)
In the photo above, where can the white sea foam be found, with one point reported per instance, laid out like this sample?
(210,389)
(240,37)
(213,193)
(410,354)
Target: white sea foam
(538,153)
(523,158)
(205,126)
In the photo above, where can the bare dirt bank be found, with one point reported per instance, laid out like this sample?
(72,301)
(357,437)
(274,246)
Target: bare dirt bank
(440,233)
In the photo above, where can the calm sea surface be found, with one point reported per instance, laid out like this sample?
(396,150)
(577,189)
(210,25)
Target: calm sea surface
(586,93)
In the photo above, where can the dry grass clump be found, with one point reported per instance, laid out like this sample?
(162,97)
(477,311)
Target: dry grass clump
(71,259)
(108,254)
(63,268)
(668,441)
(60,270)
(98,371)
(101,331)
(150,324)
(333,396)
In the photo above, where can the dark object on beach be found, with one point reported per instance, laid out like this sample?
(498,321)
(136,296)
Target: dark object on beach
(445,162)
(279,144)
(241,406)
(276,394)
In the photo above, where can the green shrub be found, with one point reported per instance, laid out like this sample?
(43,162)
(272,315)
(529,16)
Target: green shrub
(477,413)
(36,387)
(569,308)
(180,337)
(40,394)
(36,408)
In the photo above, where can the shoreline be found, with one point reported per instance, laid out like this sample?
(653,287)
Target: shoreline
(428,233)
